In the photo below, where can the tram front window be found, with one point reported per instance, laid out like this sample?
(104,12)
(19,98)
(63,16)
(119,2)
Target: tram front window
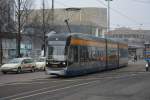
(56,50)
(56,53)
(56,57)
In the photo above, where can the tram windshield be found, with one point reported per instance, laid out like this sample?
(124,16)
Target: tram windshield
(56,50)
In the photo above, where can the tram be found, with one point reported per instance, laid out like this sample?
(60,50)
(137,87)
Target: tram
(79,54)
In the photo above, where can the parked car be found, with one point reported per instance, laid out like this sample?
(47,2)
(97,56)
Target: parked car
(40,63)
(18,65)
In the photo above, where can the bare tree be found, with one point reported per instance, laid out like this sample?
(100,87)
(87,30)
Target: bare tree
(41,22)
(48,22)
(4,15)
(23,9)
(6,21)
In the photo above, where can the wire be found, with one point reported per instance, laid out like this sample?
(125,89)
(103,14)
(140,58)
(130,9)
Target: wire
(123,15)
(63,4)
(142,1)
(116,11)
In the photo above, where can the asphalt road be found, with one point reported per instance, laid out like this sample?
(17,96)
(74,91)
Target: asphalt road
(129,83)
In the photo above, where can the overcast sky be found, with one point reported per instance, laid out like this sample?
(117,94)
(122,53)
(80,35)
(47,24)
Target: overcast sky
(123,13)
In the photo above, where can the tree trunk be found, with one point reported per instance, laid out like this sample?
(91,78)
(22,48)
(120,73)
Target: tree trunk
(1,52)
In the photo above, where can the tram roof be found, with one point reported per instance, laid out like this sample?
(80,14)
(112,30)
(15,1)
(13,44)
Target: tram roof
(83,36)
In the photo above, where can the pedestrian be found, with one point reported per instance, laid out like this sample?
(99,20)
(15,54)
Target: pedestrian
(147,66)
(135,58)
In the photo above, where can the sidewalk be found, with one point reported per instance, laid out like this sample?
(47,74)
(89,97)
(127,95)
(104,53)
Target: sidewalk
(138,66)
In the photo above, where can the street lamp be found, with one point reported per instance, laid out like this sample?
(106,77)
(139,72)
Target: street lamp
(108,16)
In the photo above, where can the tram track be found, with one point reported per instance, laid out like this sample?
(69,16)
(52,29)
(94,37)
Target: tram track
(58,84)
(53,85)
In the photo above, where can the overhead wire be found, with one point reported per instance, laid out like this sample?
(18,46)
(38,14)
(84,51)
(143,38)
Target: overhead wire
(63,4)
(142,1)
(118,12)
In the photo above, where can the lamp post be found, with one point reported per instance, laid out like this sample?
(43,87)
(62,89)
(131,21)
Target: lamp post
(108,16)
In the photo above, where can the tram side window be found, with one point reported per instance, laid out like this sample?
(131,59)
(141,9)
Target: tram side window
(93,53)
(70,56)
(90,53)
(73,54)
(97,54)
(81,54)
(84,56)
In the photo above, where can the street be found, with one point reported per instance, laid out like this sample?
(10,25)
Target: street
(47,47)
(128,83)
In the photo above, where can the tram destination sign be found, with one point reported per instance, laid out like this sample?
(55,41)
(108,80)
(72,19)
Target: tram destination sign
(56,42)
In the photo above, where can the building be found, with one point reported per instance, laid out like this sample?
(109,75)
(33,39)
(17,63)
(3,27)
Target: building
(134,38)
(83,20)
(7,46)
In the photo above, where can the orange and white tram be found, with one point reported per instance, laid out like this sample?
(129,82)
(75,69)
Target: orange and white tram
(77,54)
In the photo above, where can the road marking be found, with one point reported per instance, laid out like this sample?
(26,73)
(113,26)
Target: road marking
(27,92)
(28,82)
(78,80)
(17,83)
(55,90)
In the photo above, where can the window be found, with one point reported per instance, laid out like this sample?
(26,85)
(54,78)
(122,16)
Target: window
(73,54)
(28,61)
(84,54)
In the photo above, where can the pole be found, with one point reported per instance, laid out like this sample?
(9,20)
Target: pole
(44,32)
(108,29)
(1,52)
(18,37)
(108,15)
(52,14)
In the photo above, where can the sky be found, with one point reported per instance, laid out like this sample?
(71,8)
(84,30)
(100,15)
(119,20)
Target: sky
(123,13)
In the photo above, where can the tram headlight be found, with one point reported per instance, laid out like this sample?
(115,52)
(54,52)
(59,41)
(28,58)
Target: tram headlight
(64,63)
(47,63)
